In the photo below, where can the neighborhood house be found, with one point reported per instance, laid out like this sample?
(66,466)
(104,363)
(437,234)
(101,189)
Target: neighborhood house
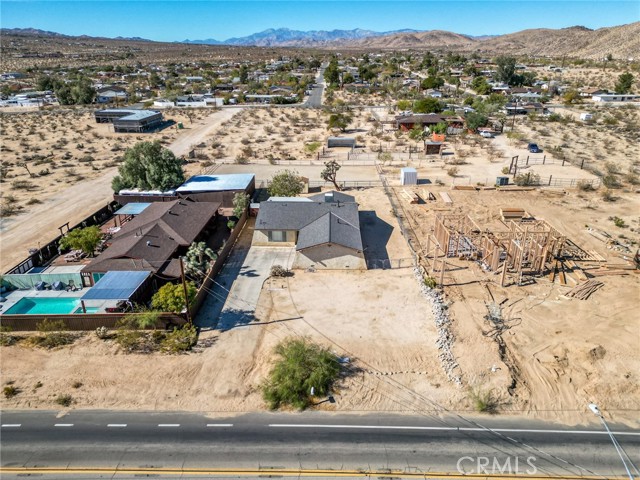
(323,228)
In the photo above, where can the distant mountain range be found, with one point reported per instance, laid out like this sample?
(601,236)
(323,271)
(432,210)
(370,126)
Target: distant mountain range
(621,41)
(285,37)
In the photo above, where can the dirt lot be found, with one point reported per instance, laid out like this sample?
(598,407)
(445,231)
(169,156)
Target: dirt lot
(72,188)
(560,353)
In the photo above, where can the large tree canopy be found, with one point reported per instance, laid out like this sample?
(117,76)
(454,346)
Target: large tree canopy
(149,166)
(286,183)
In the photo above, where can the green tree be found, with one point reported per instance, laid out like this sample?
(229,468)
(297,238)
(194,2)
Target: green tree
(481,86)
(240,203)
(440,127)
(74,92)
(427,105)
(417,133)
(339,120)
(302,366)
(331,73)
(85,239)
(506,70)
(286,183)
(403,104)
(198,260)
(432,82)
(149,166)
(348,78)
(244,74)
(625,83)
(571,97)
(170,297)
(475,120)
(330,172)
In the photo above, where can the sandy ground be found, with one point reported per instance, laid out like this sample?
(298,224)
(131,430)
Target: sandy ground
(70,199)
(562,353)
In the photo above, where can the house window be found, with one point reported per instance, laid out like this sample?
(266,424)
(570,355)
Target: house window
(277,236)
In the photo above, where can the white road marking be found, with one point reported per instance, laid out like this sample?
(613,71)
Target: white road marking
(168,424)
(63,425)
(11,425)
(455,429)
(219,424)
(117,425)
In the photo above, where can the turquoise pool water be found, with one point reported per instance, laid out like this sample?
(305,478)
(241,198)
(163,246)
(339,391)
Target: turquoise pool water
(36,305)
(88,309)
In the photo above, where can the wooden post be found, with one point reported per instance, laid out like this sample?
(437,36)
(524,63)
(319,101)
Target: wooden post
(184,288)
(527,159)
(504,271)
(84,309)
(544,159)
(550,177)
(582,164)
(563,162)
(442,274)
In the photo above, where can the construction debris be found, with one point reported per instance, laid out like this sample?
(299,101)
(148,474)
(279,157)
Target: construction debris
(411,197)
(516,214)
(584,290)
(446,198)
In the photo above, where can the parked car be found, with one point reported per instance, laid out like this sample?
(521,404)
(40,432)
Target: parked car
(533,148)
(486,134)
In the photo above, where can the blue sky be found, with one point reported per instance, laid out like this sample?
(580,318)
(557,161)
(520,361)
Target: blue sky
(178,20)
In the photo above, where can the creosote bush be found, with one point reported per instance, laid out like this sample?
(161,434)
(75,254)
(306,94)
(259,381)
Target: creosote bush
(301,366)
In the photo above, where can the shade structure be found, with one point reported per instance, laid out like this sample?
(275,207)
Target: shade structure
(117,285)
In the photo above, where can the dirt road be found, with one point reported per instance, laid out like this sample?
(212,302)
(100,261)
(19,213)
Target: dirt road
(40,224)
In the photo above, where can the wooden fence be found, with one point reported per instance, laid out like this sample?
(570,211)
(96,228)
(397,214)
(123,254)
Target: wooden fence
(204,289)
(81,321)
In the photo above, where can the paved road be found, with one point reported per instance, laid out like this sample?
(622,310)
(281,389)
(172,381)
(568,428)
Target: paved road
(271,442)
(233,298)
(315,99)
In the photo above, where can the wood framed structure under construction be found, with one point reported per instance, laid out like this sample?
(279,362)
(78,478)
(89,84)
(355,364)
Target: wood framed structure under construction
(524,247)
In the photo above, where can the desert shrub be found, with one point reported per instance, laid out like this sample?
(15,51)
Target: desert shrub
(22,185)
(64,400)
(279,271)
(527,179)
(301,366)
(618,222)
(34,201)
(241,160)
(607,195)
(53,333)
(129,340)
(453,171)
(430,282)
(483,401)
(180,340)
(6,339)
(632,178)
(76,384)
(505,170)
(585,186)
(10,391)
(610,181)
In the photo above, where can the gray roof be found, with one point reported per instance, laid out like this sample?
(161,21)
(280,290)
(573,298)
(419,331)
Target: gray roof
(317,222)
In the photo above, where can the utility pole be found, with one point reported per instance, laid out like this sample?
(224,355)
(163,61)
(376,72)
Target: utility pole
(184,288)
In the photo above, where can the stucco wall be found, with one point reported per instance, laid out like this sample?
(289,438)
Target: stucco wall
(261,239)
(330,257)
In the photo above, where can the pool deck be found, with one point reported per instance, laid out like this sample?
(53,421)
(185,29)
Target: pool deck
(15,296)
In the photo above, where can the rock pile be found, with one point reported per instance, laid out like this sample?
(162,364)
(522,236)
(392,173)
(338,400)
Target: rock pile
(445,337)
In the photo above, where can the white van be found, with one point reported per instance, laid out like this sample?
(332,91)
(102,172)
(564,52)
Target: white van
(585,117)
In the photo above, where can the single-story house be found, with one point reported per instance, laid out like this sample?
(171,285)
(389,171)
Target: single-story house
(433,93)
(155,239)
(590,92)
(523,108)
(129,120)
(615,97)
(217,188)
(423,120)
(323,228)
(112,95)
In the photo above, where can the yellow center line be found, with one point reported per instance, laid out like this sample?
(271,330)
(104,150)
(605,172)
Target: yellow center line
(280,472)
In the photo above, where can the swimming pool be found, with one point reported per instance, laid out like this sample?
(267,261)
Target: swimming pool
(37,305)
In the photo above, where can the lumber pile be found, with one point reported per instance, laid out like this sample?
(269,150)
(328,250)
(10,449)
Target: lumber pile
(427,195)
(463,187)
(446,198)
(516,214)
(605,271)
(411,197)
(584,290)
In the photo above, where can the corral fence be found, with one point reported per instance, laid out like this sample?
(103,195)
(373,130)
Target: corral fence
(534,181)
(389,263)
(343,184)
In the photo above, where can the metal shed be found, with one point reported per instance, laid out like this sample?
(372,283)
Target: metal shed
(348,142)
(408,176)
